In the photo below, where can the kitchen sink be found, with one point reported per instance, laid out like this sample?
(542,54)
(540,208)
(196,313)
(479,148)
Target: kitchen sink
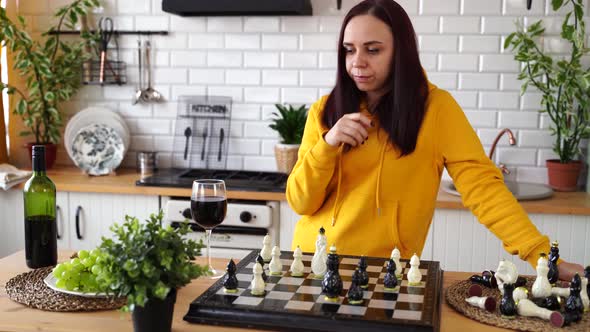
(522,191)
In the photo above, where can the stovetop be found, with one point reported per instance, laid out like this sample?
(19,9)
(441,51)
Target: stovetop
(234,180)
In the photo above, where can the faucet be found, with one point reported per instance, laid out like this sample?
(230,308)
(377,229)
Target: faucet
(511,140)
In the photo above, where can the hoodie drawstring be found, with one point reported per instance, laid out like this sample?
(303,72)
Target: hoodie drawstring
(378,185)
(335,208)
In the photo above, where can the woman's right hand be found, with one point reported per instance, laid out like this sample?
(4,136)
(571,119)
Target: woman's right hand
(351,129)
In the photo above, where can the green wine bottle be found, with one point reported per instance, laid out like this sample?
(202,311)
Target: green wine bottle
(40,225)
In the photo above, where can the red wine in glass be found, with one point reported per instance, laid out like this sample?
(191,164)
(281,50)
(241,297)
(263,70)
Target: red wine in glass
(209,212)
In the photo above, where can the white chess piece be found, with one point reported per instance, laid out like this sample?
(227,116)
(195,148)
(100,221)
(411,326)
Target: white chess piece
(396,255)
(563,292)
(505,273)
(257,285)
(320,256)
(584,294)
(520,293)
(297,265)
(276,266)
(528,308)
(414,274)
(542,286)
(482,302)
(265,253)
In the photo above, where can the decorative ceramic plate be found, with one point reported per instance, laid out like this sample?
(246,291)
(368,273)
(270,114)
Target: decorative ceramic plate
(97,149)
(50,281)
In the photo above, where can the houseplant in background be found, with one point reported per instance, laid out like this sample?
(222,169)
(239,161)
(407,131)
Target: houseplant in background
(565,88)
(289,123)
(51,68)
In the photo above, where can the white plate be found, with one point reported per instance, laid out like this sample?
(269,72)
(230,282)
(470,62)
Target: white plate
(95,115)
(97,149)
(51,281)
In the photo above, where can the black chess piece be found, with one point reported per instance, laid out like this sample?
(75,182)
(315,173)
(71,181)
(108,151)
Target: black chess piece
(574,301)
(487,279)
(570,317)
(261,261)
(587,275)
(390,280)
(230,283)
(355,292)
(520,282)
(332,283)
(553,274)
(551,302)
(507,305)
(364,276)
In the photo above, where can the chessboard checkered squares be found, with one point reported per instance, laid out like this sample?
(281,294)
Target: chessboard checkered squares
(322,299)
(248,300)
(414,298)
(309,290)
(382,304)
(352,310)
(407,314)
(278,295)
(299,305)
(291,281)
(238,292)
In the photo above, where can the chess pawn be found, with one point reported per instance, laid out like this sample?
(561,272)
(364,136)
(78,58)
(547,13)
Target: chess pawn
(230,283)
(553,273)
(260,260)
(527,308)
(257,285)
(487,279)
(297,265)
(332,283)
(563,292)
(266,251)
(550,302)
(541,286)
(482,302)
(507,305)
(363,275)
(276,266)
(584,294)
(355,292)
(390,282)
(396,256)
(574,301)
(414,274)
(520,293)
(318,262)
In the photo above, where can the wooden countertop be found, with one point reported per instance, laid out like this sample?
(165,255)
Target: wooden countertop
(17,317)
(73,180)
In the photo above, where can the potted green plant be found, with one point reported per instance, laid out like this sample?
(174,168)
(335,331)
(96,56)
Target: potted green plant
(289,123)
(147,263)
(564,85)
(51,68)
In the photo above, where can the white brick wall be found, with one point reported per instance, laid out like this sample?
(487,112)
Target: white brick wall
(260,61)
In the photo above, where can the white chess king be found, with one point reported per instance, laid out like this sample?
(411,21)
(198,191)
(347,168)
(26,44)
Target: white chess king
(320,256)
(414,274)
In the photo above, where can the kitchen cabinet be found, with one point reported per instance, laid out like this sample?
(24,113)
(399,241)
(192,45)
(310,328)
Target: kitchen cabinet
(82,218)
(460,243)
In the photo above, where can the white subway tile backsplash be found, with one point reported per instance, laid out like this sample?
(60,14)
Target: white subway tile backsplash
(127,110)
(330,23)
(166,110)
(173,41)
(510,82)
(410,6)
(260,163)
(320,42)
(544,155)
(426,24)
(498,63)
(261,95)
(440,43)
(150,126)
(224,59)
(457,62)
(242,76)
(482,119)
(236,128)
(318,77)
(460,24)
(498,100)
(190,24)
(268,147)
(300,24)
(152,23)
(163,143)
(259,129)
(532,175)
(119,92)
(188,58)
(299,59)
(280,42)
(516,7)
(242,41)
(429,61)
(299,95)
(478,81)
(545,121)
(444,80)
(141,143)
(244,146)
(429,7)
(170,75)
(224,24)
(261,59)
(261,24)
(479,44)
(516,156)
(245,112)
(498,25)
(328,60)
(531,101)
(236,93)
(465,99)
(481,7)
(207,76)
(130,7)
(535,138)
(519,119)
(280,77)
(191,90)
(487,137)
(205,40)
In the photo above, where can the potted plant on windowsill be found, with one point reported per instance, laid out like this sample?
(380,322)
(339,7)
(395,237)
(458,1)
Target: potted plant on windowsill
(51,68)
(147,263)
(289,123)
(565,86)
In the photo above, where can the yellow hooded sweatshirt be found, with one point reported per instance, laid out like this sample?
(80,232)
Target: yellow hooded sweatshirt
(370,200)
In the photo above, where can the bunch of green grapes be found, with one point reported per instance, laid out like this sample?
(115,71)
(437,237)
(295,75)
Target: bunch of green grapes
(79,274)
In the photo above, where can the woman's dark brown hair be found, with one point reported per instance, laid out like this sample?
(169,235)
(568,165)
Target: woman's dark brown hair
(401,109)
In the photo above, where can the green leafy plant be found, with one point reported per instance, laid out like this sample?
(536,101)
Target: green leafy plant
(145,260)
(565,85)
(289,123)
(51,68)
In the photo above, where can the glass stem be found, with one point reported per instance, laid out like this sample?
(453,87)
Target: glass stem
(208,231)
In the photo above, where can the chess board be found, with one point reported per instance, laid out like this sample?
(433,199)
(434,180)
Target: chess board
(297,303)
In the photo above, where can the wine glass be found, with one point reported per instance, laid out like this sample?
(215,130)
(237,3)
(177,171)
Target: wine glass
(208,209)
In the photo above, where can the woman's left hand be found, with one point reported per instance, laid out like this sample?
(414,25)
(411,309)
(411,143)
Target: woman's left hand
(568,270)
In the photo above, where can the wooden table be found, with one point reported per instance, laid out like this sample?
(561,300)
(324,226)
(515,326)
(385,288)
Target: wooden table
(17,317)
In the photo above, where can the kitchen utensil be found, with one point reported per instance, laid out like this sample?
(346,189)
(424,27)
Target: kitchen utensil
(139,92)
(204,141)
(151,95)
(221,137)
(146,162)
(188,133)
(105,25)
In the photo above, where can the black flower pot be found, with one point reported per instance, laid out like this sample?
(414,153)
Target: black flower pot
(156,315)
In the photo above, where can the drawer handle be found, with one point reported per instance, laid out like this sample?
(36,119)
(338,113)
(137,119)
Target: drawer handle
(58,219)
(78,210)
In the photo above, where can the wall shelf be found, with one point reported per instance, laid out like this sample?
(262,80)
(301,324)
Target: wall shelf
(115,32)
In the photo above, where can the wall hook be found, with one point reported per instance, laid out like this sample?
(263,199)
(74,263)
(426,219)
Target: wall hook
(528,4)
(339,4)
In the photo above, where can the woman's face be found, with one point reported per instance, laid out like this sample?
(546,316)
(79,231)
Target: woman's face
(368,44)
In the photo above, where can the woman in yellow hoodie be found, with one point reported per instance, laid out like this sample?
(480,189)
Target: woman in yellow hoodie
(374,149)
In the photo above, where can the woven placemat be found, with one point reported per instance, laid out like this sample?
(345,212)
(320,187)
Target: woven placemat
(29,289)
(458,292)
